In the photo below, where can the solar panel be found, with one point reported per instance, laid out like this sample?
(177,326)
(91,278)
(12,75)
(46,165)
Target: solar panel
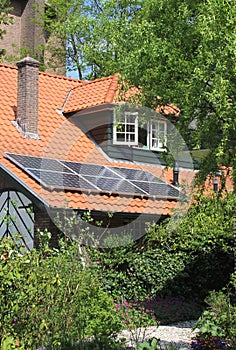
(64,180)
(80,168)
(157,189)
(91,169)
(29,162)
(136,174)
(53,165)
(83,176)
(145,186)
(118,185)
(25,161)
(174,192)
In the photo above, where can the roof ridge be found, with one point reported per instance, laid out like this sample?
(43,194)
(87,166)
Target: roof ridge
(90,82)
(112,89)
(11,66)
(62,77)
(5,65)
(101,79)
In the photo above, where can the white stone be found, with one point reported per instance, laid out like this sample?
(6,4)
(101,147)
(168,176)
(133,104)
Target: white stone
(179,335)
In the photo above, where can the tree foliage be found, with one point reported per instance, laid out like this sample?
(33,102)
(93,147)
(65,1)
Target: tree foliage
(94,30)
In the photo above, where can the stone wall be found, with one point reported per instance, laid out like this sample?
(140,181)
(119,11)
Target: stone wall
(25,33)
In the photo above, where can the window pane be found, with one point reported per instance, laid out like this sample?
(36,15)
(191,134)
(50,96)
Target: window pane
(154,134)
(158,135)
(154,130)
(121,127)
(130,128)
(154,143)
(120,137)
(162,139)
(131,137)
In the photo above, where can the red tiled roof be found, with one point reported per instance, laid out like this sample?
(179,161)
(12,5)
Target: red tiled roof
(106,90)
(92,94)
(61,139)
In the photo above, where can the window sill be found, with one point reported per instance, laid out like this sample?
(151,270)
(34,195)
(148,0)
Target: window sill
(150,149)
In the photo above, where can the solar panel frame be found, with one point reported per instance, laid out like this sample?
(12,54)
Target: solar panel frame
(53,173)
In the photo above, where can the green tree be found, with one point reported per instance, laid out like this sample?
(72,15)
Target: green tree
(189,60)
(95,32)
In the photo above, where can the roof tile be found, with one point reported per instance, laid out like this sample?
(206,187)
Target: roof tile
(91,94)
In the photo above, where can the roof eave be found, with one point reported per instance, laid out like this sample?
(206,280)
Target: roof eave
(92,109)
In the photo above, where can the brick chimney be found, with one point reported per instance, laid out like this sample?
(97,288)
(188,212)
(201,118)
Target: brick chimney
(27,97)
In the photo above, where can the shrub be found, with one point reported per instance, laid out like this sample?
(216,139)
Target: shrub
(9,343)
(150,344)
(132,274)
(182,257)
(219,319)
(48,299)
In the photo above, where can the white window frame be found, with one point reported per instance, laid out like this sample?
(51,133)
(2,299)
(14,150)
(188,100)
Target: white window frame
(126,132)
(161,140)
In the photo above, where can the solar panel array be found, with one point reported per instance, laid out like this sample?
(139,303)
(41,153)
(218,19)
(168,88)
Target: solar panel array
(52,173)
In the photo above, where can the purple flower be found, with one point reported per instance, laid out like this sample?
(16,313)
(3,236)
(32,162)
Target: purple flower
(148,311)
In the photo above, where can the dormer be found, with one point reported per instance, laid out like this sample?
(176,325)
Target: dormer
(123,130)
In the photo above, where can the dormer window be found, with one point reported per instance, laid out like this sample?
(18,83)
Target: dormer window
(158,132)
(125,131)
(151,135)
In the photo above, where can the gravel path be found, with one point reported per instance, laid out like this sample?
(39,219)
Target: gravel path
(179,334)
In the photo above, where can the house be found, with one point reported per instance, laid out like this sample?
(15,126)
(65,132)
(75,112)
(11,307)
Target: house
(69,146)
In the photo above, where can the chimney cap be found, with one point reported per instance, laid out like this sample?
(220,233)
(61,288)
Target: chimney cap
(29,61)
